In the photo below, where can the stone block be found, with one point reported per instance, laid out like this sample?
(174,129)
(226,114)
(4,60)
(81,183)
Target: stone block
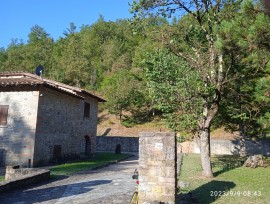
(146,134)
(169,163)
(166,180)
(170,172)
(144,187)
(157,189)
(168,190)
(170,156)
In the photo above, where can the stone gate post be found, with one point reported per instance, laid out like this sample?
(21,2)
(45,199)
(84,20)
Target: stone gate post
(157,168)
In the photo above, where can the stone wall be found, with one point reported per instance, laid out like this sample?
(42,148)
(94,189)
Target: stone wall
(15,172)
(228,147)
(42,121)
(128,144)
(157,168)
(17,137)
(218,147)
(18,178)
(62,127)
(2,157)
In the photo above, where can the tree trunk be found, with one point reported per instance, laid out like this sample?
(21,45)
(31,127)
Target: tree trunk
(205,153)
(242,148)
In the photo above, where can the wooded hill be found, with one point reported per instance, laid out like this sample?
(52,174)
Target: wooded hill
(137,66)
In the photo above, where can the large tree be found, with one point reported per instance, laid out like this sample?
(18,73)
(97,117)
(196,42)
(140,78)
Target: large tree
(245,106)
(198,40)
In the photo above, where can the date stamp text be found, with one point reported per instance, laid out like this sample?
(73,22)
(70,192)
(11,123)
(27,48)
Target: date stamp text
(235,193)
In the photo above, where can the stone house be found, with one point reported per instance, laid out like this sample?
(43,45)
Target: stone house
(43,120)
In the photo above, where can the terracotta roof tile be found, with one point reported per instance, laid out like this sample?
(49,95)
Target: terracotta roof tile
(24,78)
(18,81)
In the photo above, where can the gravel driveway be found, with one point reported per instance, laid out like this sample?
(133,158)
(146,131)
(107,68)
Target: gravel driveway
(111,184)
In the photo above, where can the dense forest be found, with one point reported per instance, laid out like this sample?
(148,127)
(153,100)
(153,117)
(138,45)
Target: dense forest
(138,66)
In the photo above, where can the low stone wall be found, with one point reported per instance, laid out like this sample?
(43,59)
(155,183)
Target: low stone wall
(228,147)
(218,146)
(128,144)
(18,178)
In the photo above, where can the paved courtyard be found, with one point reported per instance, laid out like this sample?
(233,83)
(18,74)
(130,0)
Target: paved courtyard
(111,184)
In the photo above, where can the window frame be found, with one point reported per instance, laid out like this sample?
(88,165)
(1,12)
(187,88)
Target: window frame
(4,115)
(86,112)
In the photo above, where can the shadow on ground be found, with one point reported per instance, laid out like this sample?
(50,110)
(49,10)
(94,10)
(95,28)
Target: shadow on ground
(51,193)
(207,193)
(227,163)
(130,161)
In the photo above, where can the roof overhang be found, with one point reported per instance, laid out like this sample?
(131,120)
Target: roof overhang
(16,79)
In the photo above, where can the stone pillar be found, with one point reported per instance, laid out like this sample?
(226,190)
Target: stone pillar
(157,168)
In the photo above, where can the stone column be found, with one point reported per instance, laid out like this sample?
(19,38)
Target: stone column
(157,168)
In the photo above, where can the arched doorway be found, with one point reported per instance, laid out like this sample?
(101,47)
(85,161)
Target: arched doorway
(87,145)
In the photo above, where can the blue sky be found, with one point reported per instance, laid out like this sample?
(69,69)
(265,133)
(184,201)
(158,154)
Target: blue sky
(18,16)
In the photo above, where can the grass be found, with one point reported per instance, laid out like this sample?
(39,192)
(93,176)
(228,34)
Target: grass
(99,160)
(2,178)
(232,182)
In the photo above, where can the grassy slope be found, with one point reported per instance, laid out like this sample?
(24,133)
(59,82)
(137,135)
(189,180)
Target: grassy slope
(110,125)
(237,183)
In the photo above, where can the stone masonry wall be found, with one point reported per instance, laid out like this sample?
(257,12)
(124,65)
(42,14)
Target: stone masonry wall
(228,147)
(23,177)
(157,168)
(128,144)
(17,137)
(61,123)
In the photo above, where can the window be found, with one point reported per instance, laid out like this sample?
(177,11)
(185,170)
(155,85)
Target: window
(86,110)
(57,149)
(3,114)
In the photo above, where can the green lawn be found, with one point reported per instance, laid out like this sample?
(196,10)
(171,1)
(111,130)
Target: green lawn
(232,183)
(2,178)
(99,160)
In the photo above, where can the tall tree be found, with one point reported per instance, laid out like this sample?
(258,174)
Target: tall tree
(245,105)
(70,30)
(173,86)
(197,39)
(74,62)
(124,91)
(16,57)
(39,49)
(3,58)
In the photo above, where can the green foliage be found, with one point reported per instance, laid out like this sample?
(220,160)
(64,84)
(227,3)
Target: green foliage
(245,94)
(2,178)
(175,89)
(124,91)
(76,66)
(26,57)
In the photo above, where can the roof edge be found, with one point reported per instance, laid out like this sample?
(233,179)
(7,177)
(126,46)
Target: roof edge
(54,84)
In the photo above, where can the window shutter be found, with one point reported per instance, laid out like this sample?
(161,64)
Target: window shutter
(86,110)
(3,115)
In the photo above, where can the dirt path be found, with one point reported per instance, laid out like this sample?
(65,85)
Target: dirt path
(112,184)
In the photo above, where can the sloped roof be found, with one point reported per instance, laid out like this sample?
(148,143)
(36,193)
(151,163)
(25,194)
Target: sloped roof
(24,78)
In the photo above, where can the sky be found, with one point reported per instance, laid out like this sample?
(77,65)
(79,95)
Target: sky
(17,17)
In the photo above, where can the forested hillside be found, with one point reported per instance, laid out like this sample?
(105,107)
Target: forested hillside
(138,66)
(105,57)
